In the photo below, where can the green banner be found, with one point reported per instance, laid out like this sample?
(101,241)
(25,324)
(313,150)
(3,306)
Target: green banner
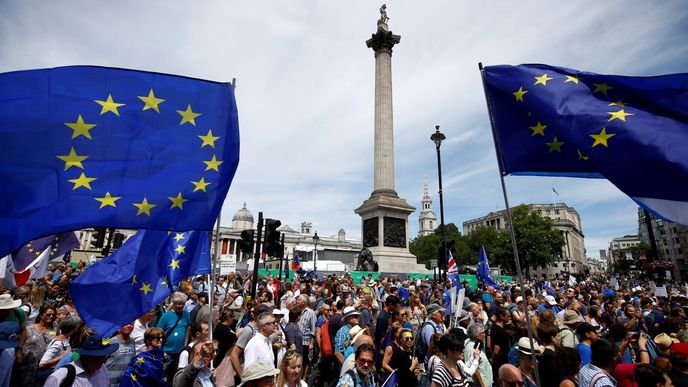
(357,275)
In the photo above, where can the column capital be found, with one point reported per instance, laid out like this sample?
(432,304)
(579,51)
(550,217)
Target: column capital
(383,40)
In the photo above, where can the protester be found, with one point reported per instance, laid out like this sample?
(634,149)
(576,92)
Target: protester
(448,373)
(146,368)
(290,371)
(89,369)
(260,345)
(363,374)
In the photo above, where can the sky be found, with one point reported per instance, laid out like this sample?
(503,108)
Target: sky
(305,89)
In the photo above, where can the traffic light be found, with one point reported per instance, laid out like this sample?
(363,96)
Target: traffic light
(272,237)
(119,239)
(98,238)
(246,243)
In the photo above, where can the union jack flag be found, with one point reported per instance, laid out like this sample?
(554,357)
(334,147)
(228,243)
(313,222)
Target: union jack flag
(453,270)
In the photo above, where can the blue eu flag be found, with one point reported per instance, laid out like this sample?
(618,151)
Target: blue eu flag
(632,131)
(483,273)
(138,276)
(103,147)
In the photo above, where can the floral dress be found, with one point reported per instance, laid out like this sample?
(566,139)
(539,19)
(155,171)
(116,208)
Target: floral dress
(34,347)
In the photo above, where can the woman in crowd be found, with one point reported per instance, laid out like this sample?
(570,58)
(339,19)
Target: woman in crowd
(550,337)
(390,346)
(418,312)
(145,369)
(197,373)
(38,336)
(225,334)
(118,361)
(36,300)
(58,348)
(448,373)
(403,361)
(290,371)
(567,363)
(476,334)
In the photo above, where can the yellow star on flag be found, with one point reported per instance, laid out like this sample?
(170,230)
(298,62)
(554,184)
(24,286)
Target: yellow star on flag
(180,249)
(213,164)
(178,201)
(519,94)
(174,264)
(581,156)
(163,281)
(209,139)
(108,200)
(555,145)
(602,137)
(601,88)
(179,236)
(200,185)
(144,207)
(72,160)
(616,103)
(542,80)
(538,129)
(133,280)
(146,288)
(140,360)
(82,181)
(188,116)
(151,101)
(571,78)
(620,115)
(108,105)
(80,128)
(133,376)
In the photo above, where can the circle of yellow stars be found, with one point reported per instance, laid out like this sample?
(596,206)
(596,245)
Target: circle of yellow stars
(180,250)
(82,128)
(600,138)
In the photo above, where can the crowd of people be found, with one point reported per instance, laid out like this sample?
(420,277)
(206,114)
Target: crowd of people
(334,331)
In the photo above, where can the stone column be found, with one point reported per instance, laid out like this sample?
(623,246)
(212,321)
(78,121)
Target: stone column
(382,42)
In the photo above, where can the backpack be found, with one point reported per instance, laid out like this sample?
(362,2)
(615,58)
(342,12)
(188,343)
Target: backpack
(327,350)
(69,379)
(420,348)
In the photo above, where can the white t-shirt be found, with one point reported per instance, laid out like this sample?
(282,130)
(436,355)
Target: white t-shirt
(55,349)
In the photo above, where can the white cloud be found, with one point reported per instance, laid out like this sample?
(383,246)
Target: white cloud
(306,88)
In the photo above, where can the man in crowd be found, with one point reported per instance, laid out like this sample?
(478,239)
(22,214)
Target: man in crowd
(350,317)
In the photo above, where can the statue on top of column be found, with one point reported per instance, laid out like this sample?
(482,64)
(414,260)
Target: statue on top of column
(383,15)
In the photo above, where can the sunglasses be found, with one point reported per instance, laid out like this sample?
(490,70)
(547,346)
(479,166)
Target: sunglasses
(366,361)
(157,338)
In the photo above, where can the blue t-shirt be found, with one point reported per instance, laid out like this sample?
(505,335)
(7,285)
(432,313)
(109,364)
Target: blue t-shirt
(585,353)
(174,341)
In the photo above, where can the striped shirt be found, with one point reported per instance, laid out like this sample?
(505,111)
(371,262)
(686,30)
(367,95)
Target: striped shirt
(443,377)
(307,326)
(589,372)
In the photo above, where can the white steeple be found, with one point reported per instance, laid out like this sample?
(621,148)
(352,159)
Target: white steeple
(427,220)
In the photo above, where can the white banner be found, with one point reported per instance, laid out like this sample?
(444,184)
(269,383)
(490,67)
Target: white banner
(660,291)
(572,280)
(460,296)
(227,264)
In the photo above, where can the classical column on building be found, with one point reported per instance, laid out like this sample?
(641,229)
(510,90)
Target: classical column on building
(385,215)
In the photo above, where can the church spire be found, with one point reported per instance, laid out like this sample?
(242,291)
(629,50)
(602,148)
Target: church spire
(427,221)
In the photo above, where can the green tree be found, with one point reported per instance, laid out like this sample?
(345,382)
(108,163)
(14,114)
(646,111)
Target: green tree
(425,248)
(539,244)
(492,239)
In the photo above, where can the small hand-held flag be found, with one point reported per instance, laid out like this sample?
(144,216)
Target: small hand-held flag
(104,147)
(632,131)
(452,270)
(483,273)
(138,276)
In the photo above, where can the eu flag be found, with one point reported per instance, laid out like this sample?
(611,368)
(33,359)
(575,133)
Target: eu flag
(632,131)
(103,147)
(483,273)
(138,276)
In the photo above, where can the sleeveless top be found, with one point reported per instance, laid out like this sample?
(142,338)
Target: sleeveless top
(443,377)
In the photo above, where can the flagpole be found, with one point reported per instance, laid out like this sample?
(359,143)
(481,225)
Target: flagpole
(211,283)
(500,163)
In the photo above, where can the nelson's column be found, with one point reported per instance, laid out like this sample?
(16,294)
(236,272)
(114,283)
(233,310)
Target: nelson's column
(385,214)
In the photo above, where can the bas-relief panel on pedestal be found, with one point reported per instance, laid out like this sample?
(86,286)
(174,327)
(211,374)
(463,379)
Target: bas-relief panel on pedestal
(394,232)
(370,233)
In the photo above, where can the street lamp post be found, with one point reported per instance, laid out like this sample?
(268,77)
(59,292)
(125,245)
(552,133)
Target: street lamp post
(437,138)
(316,238)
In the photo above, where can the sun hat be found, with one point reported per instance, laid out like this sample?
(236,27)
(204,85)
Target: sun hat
(355,333)
(550,300)
(464,315)
(97,346)
(525,348)
(258,370)
(7,302)
(432,308)
(519,299)
(664,341)
(277,312)
(571,317)
(9,334)
(351,311)
(345,289)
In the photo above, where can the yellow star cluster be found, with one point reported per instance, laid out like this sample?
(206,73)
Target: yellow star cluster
(541,128)
(82,131)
